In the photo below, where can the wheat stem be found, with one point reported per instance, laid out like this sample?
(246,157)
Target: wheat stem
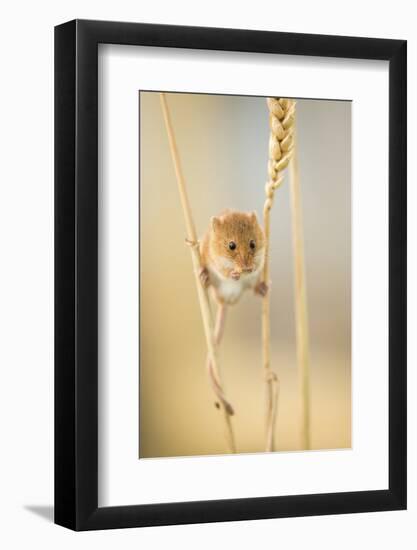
(301,312)
(202,292)
(218,335)
(281,120)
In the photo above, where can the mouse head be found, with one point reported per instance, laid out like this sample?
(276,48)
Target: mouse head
(237,244)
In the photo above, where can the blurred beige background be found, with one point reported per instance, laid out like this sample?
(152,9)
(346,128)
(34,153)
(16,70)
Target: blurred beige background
(223,143)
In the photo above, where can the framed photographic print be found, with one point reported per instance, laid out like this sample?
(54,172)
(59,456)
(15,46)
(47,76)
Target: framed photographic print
(230,255)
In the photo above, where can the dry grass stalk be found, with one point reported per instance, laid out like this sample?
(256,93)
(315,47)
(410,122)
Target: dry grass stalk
(281,121)
(202,292)
(301,313)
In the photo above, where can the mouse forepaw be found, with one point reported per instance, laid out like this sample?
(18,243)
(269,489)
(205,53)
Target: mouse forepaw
(261,288)
(204,277)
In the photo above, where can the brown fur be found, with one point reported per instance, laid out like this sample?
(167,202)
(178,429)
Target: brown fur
(241,228)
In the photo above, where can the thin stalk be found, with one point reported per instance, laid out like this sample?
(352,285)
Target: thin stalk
(195,255)
(271,379)
(301,312)
(281,120)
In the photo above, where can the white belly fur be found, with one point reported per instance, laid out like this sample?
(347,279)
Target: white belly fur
(229,290)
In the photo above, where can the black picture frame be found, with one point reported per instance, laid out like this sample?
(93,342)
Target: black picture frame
(76,273)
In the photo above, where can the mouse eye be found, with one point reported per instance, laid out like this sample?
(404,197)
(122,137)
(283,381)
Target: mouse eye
(232,245)
(252,244)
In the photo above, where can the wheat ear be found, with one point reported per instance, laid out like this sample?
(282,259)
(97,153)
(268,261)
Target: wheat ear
(202,292)
(281,122)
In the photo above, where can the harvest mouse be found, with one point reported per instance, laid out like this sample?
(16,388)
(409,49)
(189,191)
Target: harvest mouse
(233,255)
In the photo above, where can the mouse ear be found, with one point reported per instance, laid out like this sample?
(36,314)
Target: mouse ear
(215,223)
